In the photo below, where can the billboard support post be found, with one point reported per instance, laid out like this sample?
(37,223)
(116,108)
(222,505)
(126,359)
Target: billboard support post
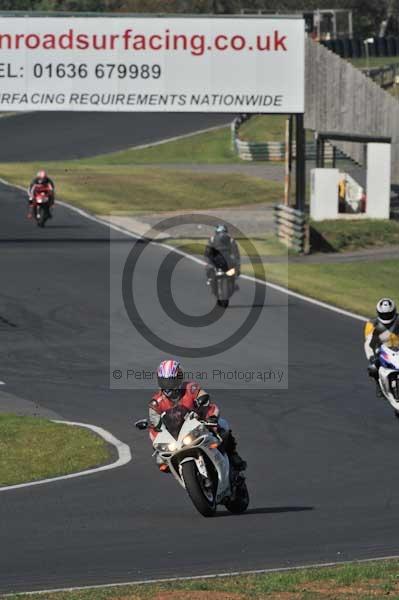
(300,174)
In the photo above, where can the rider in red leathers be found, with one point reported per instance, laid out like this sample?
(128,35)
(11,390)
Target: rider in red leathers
(42,180)
(188,394)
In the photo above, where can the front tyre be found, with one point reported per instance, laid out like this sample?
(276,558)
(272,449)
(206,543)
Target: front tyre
(223,303)
(203,498)
(240,502)
(41,217)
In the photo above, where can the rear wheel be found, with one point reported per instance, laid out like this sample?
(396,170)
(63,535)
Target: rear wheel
(240,502)
(201,495)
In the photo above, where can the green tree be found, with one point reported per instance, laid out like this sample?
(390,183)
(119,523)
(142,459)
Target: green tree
(70,5)
(17,4)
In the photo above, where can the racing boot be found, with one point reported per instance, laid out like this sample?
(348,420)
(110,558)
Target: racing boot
(238,463)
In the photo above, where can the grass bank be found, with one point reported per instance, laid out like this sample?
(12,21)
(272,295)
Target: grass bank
(123,189)
(264,128)
(362,581)
(203,148)
(33,448)
(354,286)
(353,235)
(374,61)
(267,245)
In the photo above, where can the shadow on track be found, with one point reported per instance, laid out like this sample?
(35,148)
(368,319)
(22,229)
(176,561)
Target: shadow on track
(267,510)
(247,306)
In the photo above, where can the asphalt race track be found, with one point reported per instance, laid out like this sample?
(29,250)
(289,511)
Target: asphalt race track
(322,455)
(66,135)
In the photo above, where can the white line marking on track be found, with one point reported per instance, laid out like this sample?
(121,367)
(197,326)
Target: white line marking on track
(136,236)
(2,382)
(210,576)
(124,456)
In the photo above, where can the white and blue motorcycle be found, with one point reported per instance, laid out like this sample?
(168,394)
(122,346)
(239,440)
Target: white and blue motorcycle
(193,452)
(388,375)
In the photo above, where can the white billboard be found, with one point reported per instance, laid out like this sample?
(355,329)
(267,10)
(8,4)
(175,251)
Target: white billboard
(152,64)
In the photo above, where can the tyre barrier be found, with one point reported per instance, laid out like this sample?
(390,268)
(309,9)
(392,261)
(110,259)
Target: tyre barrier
(273,151)
(292,228)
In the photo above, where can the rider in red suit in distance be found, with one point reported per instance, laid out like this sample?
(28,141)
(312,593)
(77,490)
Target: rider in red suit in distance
(174,391)
(42,180)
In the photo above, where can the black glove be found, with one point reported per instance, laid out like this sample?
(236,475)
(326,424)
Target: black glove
(202,400)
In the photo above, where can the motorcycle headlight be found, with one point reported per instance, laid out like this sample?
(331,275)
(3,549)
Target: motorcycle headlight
(193,435)
(231,272)
(165,447)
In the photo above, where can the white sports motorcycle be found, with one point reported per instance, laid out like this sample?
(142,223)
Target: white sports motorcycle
(388,375)
(195,457)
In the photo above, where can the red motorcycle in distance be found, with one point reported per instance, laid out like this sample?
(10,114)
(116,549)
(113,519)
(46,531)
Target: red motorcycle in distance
(41,203)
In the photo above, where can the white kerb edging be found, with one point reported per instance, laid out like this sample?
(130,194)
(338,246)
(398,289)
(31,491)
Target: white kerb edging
(124,456)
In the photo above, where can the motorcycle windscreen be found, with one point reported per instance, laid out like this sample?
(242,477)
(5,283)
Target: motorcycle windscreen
(173,419)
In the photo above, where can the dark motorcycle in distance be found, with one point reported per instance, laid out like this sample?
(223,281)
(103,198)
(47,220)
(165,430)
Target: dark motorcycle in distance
(223,285)
(41,203)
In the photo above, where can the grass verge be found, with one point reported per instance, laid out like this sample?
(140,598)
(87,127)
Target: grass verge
(106,189)
(374,61)
(353,286)
(354,580)
(266,128)
(267,245)
(203,148)
(33,448)
(353,235)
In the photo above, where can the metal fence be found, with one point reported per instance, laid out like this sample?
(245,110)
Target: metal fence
(292,228)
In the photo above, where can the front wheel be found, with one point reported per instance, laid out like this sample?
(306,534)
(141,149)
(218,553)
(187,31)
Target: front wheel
(41,217)
(223,303)
(240,502)
(201,496)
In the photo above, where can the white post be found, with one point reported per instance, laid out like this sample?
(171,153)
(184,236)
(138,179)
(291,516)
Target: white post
(324,194)
(378,181)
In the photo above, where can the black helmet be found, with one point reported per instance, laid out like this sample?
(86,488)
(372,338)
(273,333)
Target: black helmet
(386,311)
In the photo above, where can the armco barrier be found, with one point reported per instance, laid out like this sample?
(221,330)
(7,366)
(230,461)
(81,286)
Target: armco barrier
(292,228)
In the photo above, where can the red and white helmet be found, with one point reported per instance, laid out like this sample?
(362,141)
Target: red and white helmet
(386,311)
(42,174)
(170,377)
